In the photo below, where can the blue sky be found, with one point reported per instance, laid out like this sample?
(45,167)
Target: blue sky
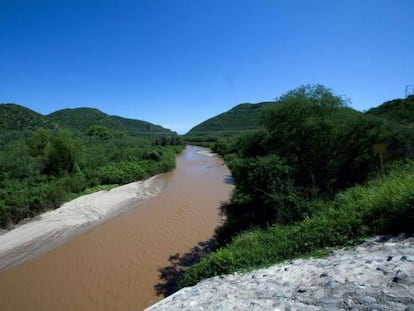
(179,62)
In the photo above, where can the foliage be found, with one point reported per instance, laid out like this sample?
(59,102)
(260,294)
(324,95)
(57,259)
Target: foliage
(328,145)
(304,181)
(397,110)
(93,121)
(99,131)
(242,118)
(88,120)
(62,154)
(41,168)
(15,117)
(310,147)
(379,207)
(261,203)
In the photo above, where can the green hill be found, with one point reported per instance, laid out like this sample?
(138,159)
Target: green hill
(47,160)
(243,117)
(398,110)
(16,117)
(83,118)
(138,127)
(79,118)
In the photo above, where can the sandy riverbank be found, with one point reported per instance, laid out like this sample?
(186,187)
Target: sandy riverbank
(121,263)
(53,228)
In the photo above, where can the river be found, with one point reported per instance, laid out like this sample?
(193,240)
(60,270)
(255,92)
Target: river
(115,265)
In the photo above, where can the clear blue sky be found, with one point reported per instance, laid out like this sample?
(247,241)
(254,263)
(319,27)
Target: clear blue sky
(179,62)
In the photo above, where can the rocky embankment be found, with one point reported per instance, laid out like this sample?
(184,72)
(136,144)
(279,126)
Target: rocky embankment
(376,275)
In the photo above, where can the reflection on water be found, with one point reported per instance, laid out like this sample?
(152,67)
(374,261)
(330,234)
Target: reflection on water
(116,265)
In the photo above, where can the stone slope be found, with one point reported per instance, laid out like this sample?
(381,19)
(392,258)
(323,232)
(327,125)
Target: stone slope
(376,275)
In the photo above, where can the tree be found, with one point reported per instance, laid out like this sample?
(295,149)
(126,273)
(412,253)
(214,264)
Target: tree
(99,131)
(39,140)
(327,144)
(63,154)
(311,147)
(315,94)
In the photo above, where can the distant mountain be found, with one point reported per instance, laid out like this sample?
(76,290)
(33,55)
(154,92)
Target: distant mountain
(247,117)
(240,118)
(83,118)
(78,118)
(398,110)
(16,117)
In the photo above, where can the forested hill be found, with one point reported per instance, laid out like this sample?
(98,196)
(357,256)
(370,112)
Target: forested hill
(16,117)
(83,118)
(46,160)
(239,118)
(398,110)
(245,117)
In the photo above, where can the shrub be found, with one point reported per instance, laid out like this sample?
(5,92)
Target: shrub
(265,194)
(379,207)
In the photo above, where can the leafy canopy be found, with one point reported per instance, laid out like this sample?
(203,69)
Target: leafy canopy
(310,147)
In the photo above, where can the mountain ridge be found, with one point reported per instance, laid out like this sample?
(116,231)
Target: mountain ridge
(242,117)
(18,117)
(247,116)
(400,110)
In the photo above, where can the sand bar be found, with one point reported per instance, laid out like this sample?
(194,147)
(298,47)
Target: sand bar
(53,228)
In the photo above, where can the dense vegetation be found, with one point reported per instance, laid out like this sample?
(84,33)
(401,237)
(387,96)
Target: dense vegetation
(379,207)
(309,179)
(83,118)
(16,117)
(247,117)
(43,163)
(244,117)
(398,110)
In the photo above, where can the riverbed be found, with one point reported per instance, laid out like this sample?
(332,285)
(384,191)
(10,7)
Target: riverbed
(115,265)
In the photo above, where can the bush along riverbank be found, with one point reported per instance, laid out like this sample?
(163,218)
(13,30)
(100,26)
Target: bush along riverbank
(379,207)
(309,181)
(42,168)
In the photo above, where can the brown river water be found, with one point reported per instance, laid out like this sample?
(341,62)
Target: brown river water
(115,265)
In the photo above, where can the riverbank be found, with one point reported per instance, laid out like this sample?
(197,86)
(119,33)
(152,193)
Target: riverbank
(376,275)
(53,228)
(119,264)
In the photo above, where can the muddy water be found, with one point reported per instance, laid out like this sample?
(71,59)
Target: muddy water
(115,265)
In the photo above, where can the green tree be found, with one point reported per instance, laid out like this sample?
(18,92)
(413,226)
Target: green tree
(265,193)
(312,146)
(16,162)
(327,144)
(63,154)
(99,131)
(39,140)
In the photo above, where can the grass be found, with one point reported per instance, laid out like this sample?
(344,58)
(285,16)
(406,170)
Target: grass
(379,207)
